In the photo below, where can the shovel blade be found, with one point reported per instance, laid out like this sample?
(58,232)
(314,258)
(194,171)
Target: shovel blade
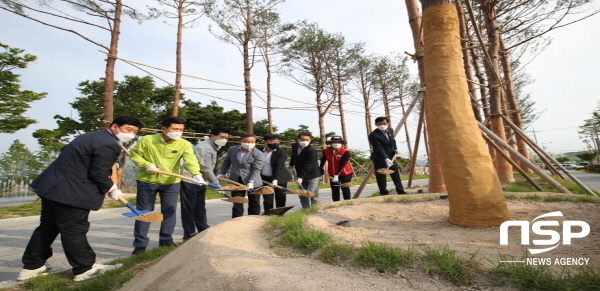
(133,214)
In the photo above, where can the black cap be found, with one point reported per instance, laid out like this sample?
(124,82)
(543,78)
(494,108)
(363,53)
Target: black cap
(335,138)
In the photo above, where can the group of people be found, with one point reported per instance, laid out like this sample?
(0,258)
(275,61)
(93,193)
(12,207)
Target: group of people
(76,183)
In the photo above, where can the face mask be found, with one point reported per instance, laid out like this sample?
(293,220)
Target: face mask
(304,143)
(336,145)
(125,137)
(273,145)
(248,146)
(382,127)
(220,142)
(174,135)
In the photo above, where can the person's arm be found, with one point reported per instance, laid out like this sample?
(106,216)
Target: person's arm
(226,163)
(257,165)
(394,146)
(207,162)
(136,154)
(279,163)
(190,161)
(323,160)
(103,158)
(377,147)
(293,157)
(343,161)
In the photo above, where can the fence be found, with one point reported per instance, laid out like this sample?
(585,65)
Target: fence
(15,193)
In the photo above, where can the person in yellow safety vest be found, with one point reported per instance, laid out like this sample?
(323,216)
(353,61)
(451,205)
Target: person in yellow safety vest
(338,166)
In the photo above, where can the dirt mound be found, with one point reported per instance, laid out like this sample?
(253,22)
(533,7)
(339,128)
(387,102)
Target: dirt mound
(235,254)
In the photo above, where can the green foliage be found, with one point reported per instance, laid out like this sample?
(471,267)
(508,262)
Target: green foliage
(337,252)
(19,163)
(528,277)
(383,257)
(563,160)
(586,156)
(14,101)
(294,231)
(446,263)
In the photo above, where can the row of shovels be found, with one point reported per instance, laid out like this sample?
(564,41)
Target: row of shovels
(154,216)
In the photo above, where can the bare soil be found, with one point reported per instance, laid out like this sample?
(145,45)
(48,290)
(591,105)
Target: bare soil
(238,254)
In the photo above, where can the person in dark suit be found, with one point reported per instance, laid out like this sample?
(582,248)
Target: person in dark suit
(246,163)
(70,187)
(306,162)
(384,148)
(274,171)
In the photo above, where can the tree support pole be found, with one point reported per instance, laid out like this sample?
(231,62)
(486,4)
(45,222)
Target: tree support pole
(413,160)
(515,165)
(531,165)
(520,132)
(398,127)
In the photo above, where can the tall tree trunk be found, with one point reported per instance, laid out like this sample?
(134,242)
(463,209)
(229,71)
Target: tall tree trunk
(386,104)
(247,68)
(474,191)
(341,108)
(464,37)
(483,92)
(178,58)
(436,178)
(269,108)
(503,167)
(513,105)
(109,79)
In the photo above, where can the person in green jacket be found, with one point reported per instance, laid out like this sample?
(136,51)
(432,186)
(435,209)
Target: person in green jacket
(162,151)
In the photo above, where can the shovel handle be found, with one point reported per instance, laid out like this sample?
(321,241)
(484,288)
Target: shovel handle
(131,207)
(217,187)
(173,174)
(231,181)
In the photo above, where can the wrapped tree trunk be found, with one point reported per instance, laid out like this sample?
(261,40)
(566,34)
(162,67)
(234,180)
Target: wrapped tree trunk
(503,167)
(474,191)
(436,179)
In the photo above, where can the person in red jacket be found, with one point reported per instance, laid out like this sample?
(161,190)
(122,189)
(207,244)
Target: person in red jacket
(338,166)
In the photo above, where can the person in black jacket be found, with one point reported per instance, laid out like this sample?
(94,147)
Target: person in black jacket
(75,183)
(274,171)
(384,148)
(306,162)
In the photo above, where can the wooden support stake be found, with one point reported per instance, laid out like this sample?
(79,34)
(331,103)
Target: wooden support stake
(522,134)
(413,160)
(531,165)
(515,165)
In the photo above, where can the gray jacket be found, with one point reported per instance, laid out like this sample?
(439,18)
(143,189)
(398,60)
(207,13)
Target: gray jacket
(248,169)
(206,152)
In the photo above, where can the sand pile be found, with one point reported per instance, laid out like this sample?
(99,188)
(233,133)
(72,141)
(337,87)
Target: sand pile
(235,254)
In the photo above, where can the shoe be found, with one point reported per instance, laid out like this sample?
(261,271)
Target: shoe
(138,250)
(401,193)
(96,270)
(26,274)
(188,236)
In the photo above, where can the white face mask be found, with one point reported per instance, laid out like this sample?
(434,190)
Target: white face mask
(336,145)
(220,142)
(125,137)
(304,143)
(382,127)
(248,146)
(174,135)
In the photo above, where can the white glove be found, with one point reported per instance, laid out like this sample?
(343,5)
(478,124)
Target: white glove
(274,182)
(151,167)
(288,166)
(250,185)
(115,194)
(299,181)
(219,176)
(335,178)
(199,179)
(389,162)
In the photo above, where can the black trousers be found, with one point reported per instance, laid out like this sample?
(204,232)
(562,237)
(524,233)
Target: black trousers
(72,224)
(193,208)
(382,183)
(335,190)
(280,196)
(253,203)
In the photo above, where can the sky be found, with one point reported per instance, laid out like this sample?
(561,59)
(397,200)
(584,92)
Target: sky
(565,73)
